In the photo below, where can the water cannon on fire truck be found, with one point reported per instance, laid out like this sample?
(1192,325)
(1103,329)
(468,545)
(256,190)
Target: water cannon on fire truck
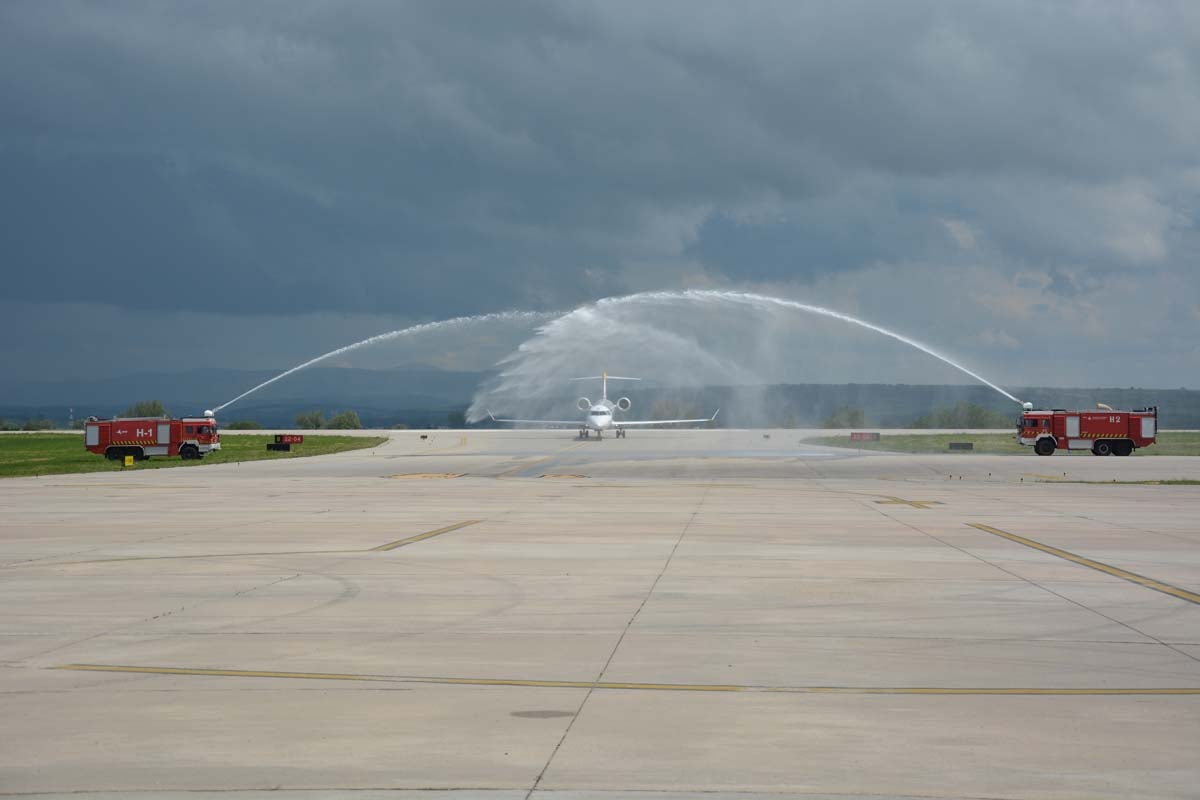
(1105,431)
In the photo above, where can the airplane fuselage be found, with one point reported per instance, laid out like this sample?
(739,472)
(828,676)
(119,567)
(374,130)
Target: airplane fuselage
(599,418)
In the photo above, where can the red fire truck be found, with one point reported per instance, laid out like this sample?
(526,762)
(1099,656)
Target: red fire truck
(1104,431)
(142,437)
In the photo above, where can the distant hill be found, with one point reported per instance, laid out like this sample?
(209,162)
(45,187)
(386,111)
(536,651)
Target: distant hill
(425,395)
(422,396)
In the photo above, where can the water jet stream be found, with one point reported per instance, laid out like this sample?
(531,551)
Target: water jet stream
(414,330)
(644,298)
(826,312)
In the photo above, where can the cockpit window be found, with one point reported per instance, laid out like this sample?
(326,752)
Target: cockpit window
(598,413)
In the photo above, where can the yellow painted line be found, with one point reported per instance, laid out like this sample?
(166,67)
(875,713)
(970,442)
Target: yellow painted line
(1044,477)
(523,466)
(427,535)
(563,476)
(417,476)
(382,548)
(222,673)
(898,501)
(540,460)
(983,690)
(543,684)
(1107,569)
(197,555)
(116,486)
(627,686)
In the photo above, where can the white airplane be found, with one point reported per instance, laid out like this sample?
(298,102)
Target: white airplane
(600,415)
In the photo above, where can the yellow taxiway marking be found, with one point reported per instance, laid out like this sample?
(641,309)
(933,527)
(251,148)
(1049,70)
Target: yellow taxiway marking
(116,486)
(898,501)
(381,548)
(527,465)
(629,686)
(562,476)
(418,476)
(222,673)
(195,555)
(1040,476)
(1107,569)
(427,535)
(523,466)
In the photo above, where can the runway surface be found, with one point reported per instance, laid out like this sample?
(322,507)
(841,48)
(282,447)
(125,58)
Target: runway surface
(500,614)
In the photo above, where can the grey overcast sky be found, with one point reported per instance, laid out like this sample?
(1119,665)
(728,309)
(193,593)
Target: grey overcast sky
(250,184)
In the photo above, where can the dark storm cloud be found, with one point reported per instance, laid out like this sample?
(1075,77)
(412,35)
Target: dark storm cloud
(395,157)
(435,159)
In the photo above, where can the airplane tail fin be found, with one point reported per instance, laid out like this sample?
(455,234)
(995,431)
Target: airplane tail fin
(605,378)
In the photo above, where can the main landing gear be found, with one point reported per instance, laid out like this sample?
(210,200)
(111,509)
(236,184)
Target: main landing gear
(585,433)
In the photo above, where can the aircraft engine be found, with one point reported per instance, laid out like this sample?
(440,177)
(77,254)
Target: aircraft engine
(583,404)
(624,404)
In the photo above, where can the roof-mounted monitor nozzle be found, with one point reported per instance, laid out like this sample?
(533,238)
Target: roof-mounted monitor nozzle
(1027,406)
(208,412)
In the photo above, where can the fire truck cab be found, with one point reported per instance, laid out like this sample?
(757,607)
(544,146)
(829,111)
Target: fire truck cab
(142,437)
(1104,431)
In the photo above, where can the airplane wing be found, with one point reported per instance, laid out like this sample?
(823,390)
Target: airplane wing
(620,423)
(574,423)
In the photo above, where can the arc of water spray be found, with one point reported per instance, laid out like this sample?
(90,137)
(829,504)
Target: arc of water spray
(750,297)
(700,294)
(425,327)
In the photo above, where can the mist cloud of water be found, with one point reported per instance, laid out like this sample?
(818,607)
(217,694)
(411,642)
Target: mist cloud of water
(689,338)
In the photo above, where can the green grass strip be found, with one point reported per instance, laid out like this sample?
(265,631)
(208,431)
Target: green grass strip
(27,454)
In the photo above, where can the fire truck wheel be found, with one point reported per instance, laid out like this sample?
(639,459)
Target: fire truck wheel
(1044,447)
(1102,448)
(1123,448)
(188,452)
